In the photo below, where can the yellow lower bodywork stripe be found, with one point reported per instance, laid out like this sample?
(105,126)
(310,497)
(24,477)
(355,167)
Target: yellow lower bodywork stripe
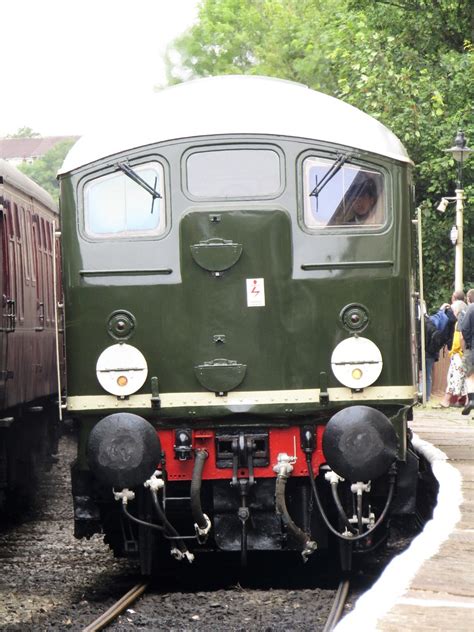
(240,398)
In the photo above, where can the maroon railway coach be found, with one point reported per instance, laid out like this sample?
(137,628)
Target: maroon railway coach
(29,352)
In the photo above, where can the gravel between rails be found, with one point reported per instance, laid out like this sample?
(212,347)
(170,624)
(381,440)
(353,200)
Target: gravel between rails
(45,573)
(51,581)
(236,609)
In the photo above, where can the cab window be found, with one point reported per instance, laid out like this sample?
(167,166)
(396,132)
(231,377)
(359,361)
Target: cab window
(122,204)
(234,173)
(350,196)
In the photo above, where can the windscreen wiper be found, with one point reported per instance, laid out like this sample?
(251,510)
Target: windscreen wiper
(133,175)
(330,173)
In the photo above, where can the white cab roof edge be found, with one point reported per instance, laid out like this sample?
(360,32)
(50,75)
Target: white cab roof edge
(234,104)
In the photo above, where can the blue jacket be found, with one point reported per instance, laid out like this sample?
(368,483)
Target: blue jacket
(440,320)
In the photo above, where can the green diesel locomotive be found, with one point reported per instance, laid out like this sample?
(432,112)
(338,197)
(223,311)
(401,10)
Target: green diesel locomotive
(239,323)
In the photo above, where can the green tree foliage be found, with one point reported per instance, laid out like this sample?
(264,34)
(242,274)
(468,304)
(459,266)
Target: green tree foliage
(24,132)
(409,63)
(43,171)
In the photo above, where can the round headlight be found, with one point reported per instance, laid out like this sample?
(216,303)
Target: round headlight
(121,369)
(356,362)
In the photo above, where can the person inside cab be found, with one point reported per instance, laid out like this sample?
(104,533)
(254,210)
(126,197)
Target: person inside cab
(361,201)
(362,209)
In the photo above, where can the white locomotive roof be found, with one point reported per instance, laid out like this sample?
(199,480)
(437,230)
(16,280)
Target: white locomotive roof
(15,178)
(234,104)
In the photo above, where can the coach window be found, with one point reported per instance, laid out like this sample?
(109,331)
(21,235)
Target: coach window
(121,204)
(30,242)
(26,241)
(10,254)
(349,196)
(38,259)
(234,173)
(18,246)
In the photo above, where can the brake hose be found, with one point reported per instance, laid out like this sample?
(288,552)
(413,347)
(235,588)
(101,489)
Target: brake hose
(196,508)
(341,536)
(307,545)
(168,527)
(142,522)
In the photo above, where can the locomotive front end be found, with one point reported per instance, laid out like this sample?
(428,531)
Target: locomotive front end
(238,299)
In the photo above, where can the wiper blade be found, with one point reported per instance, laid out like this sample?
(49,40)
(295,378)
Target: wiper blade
(133,175)
(330,173)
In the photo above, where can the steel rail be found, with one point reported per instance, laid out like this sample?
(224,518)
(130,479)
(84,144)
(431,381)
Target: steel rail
(119,606)
(337,606)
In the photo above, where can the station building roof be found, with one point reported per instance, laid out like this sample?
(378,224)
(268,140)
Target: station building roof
(234,104)
(18,150)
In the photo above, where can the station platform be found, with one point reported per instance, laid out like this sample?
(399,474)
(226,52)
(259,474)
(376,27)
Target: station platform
(431,585)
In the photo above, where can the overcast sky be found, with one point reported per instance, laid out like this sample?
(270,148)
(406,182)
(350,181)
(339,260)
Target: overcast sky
(64,62)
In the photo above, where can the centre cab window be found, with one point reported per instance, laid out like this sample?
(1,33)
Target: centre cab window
(126,203)
(234,173)
(338,195)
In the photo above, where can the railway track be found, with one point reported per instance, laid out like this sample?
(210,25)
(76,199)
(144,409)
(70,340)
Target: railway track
(117,608)
(337,606)
(112,613)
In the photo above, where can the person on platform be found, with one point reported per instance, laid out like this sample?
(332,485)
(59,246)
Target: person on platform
(456,389)
(466,327)
(439,329)
(457,295)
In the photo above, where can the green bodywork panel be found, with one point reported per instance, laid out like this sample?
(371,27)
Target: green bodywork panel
(187,291)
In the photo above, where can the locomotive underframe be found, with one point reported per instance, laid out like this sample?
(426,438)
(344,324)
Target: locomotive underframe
(238,490)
